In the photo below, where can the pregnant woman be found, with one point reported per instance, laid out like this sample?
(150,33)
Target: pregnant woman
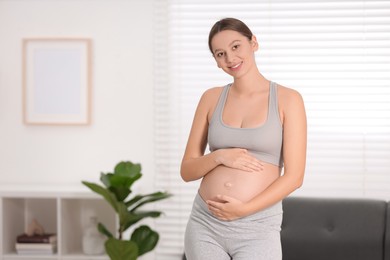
(254,127)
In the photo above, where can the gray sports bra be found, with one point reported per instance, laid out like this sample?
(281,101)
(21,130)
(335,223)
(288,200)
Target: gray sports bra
(264,142)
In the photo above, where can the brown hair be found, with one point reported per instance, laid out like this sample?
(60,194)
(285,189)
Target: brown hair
(229,24)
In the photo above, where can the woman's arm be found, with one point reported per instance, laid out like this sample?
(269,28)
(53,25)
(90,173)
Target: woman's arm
(195,164)
(294,153)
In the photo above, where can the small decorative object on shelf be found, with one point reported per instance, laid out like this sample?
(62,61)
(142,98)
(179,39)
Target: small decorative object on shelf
(35,228)
(116,191)
(35,241)
(93,240)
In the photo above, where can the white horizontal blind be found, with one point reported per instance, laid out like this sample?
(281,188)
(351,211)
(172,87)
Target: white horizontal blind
(335,53)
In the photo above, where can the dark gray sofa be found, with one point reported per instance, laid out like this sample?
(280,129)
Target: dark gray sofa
(335,229)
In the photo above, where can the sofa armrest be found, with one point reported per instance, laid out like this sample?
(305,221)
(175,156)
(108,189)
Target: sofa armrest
(337,229)
(387,239)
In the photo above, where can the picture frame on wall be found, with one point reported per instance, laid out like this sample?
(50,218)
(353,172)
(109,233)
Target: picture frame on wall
(57,81)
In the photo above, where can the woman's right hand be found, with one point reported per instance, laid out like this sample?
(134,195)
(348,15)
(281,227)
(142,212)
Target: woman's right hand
(239,158)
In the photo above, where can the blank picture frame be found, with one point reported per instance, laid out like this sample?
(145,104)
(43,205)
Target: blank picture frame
(57,81)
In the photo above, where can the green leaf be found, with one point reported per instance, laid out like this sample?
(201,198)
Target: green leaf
(145,238)
(124,217)
(125,181)
(134,200)
(120,182)
(102,229)
(121,193)
(144,199)
(110,197)
(121,249)
(117,180)
(134,217)
(127,219)
(127,168)
(105,179)
(124,176)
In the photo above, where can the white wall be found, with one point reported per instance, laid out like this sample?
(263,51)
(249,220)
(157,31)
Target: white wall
(122,108)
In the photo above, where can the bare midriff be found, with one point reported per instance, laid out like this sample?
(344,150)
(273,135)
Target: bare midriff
(238,184)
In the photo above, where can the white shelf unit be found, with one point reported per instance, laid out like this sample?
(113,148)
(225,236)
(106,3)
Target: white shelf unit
(63,213)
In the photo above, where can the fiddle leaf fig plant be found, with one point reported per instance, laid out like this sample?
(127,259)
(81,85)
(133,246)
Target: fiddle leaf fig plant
(116,190)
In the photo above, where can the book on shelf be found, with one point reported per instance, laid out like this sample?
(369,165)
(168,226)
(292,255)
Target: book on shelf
(35,248)
(45,244)
(49,238)
(36,252)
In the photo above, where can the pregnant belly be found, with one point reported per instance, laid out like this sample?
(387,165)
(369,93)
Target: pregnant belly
(235,183)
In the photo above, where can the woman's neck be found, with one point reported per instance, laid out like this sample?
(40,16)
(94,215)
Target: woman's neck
(250,83)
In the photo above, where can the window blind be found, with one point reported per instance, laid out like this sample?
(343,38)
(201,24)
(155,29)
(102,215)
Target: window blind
(335,53)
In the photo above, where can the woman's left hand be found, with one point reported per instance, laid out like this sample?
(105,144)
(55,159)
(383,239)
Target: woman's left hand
(226,208)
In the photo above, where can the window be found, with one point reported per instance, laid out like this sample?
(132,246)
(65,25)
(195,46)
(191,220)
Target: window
(335,53)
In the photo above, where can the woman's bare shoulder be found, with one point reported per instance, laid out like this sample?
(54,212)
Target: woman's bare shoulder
(213,92)
(211,95)
(291,104)
(289,96)
(209,100)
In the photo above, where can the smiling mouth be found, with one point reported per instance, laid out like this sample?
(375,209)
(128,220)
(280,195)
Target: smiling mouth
(235,66)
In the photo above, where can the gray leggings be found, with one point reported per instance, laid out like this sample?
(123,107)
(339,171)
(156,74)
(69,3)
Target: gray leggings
(255,237)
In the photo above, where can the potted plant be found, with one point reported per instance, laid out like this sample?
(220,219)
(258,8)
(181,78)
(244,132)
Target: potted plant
(116,191)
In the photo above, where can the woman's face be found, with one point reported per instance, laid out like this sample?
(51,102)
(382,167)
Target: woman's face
(233,52)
